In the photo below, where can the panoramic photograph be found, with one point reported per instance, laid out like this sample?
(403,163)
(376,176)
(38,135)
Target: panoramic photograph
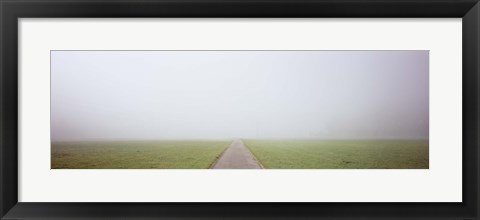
(240,109)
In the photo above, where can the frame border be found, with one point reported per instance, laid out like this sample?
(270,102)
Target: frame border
(11,10)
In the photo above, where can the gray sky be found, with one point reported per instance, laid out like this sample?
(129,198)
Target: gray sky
(239,94)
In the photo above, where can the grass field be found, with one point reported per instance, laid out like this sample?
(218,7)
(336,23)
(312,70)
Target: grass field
(136,154)
(344,154)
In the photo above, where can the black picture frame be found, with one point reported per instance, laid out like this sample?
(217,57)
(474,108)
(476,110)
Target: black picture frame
(11,10)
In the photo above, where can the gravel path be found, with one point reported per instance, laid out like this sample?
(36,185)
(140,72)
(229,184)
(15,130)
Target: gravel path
(237,156)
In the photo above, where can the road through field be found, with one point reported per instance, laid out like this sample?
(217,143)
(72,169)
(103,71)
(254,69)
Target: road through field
(237,156)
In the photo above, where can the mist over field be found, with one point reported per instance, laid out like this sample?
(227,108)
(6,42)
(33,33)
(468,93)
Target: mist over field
(154,95)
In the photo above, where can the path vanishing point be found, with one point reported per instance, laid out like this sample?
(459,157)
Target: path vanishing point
(237,156)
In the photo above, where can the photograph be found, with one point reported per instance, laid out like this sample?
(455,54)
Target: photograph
(239,109)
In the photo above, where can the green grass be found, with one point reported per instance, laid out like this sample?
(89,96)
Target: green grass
(340,154)
(136,154)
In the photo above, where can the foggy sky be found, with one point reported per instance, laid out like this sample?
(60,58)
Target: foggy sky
(239,94)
